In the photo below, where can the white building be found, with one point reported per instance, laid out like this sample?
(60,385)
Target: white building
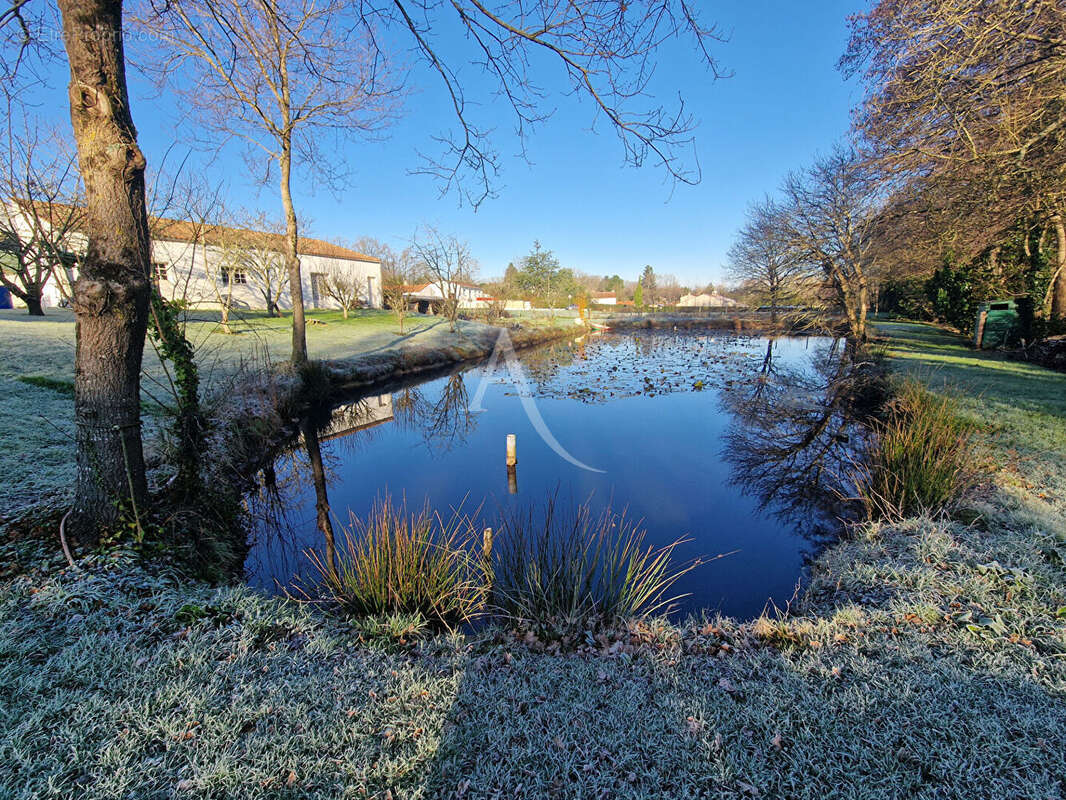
(604,298)
(206,265)
(428,298)
(706,301)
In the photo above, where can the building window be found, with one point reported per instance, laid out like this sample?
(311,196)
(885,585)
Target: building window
(159,271)
(239,276)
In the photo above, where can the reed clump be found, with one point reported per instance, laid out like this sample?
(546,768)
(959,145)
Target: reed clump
(398,562)
(921,457)
(556,571)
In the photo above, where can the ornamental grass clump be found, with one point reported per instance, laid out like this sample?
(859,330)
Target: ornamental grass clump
(557,572)
(921,457)
(397,562)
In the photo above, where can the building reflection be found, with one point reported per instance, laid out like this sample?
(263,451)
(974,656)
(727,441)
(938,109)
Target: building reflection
(367,412)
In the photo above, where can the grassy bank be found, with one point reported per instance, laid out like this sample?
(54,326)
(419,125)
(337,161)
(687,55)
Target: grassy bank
(37,369)
(927,658)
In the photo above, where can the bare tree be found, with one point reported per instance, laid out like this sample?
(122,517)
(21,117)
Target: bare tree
(343,287)
(969,96)
(449,263)
(262,259)
(398,271)
(669,288)
(832,207)
(283,77)
(766,259)
(41,215)
(111,294)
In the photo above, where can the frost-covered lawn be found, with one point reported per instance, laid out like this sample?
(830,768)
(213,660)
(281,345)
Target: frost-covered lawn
(926,660)
(37,373)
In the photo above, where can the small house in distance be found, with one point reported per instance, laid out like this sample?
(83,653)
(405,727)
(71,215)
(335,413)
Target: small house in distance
(604,298)
(706,301)
(428,298)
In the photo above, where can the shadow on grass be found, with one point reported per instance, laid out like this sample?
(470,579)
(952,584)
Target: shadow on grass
(411,334)
(765,724)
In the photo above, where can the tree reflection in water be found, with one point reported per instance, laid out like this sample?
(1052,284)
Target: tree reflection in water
(318,477)
(274,504)
(797,431)
(786,419)
(448,421)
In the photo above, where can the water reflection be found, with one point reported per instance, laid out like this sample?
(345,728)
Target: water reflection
(448,422)
(799,428)
(734,442)
(318,478)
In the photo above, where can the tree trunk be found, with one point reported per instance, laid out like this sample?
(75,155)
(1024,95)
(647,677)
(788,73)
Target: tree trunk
(1058,297)
(111,293)
(318,477)
(33,302)
(292,260)
(862,306)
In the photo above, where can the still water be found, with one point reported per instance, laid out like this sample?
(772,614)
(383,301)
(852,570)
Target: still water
(732,442)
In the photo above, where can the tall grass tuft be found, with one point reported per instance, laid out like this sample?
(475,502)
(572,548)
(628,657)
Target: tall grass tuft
(558,572)
(407,563)
(920,460)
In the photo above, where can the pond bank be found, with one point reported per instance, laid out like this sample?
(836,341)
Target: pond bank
(926,659)
(365,370)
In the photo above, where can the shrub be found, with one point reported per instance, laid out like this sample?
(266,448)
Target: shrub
(400,563)
(920,458)
(579,570)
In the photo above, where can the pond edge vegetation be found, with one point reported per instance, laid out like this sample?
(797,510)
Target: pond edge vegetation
(576,571)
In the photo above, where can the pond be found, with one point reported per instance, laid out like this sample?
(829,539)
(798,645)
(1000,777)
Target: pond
(734,443)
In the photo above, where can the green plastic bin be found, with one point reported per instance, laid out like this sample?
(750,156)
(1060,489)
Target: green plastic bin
(997,324)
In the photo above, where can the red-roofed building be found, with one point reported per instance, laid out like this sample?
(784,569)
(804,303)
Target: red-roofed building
(202,264)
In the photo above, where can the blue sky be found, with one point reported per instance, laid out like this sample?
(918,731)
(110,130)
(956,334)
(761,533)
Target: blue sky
(784,102)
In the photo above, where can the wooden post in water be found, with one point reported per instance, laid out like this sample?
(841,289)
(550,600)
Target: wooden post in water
(512,460)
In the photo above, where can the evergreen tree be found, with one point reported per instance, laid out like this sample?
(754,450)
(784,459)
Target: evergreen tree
(647,281)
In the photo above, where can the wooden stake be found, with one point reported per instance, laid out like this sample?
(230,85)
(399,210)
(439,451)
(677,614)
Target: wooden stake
(512,452)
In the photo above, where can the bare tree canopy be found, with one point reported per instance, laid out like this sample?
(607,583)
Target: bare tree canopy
(288,79)
(970,95)
(832,207)
(41,214)
(767,259)
(448,262)
(604,50)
